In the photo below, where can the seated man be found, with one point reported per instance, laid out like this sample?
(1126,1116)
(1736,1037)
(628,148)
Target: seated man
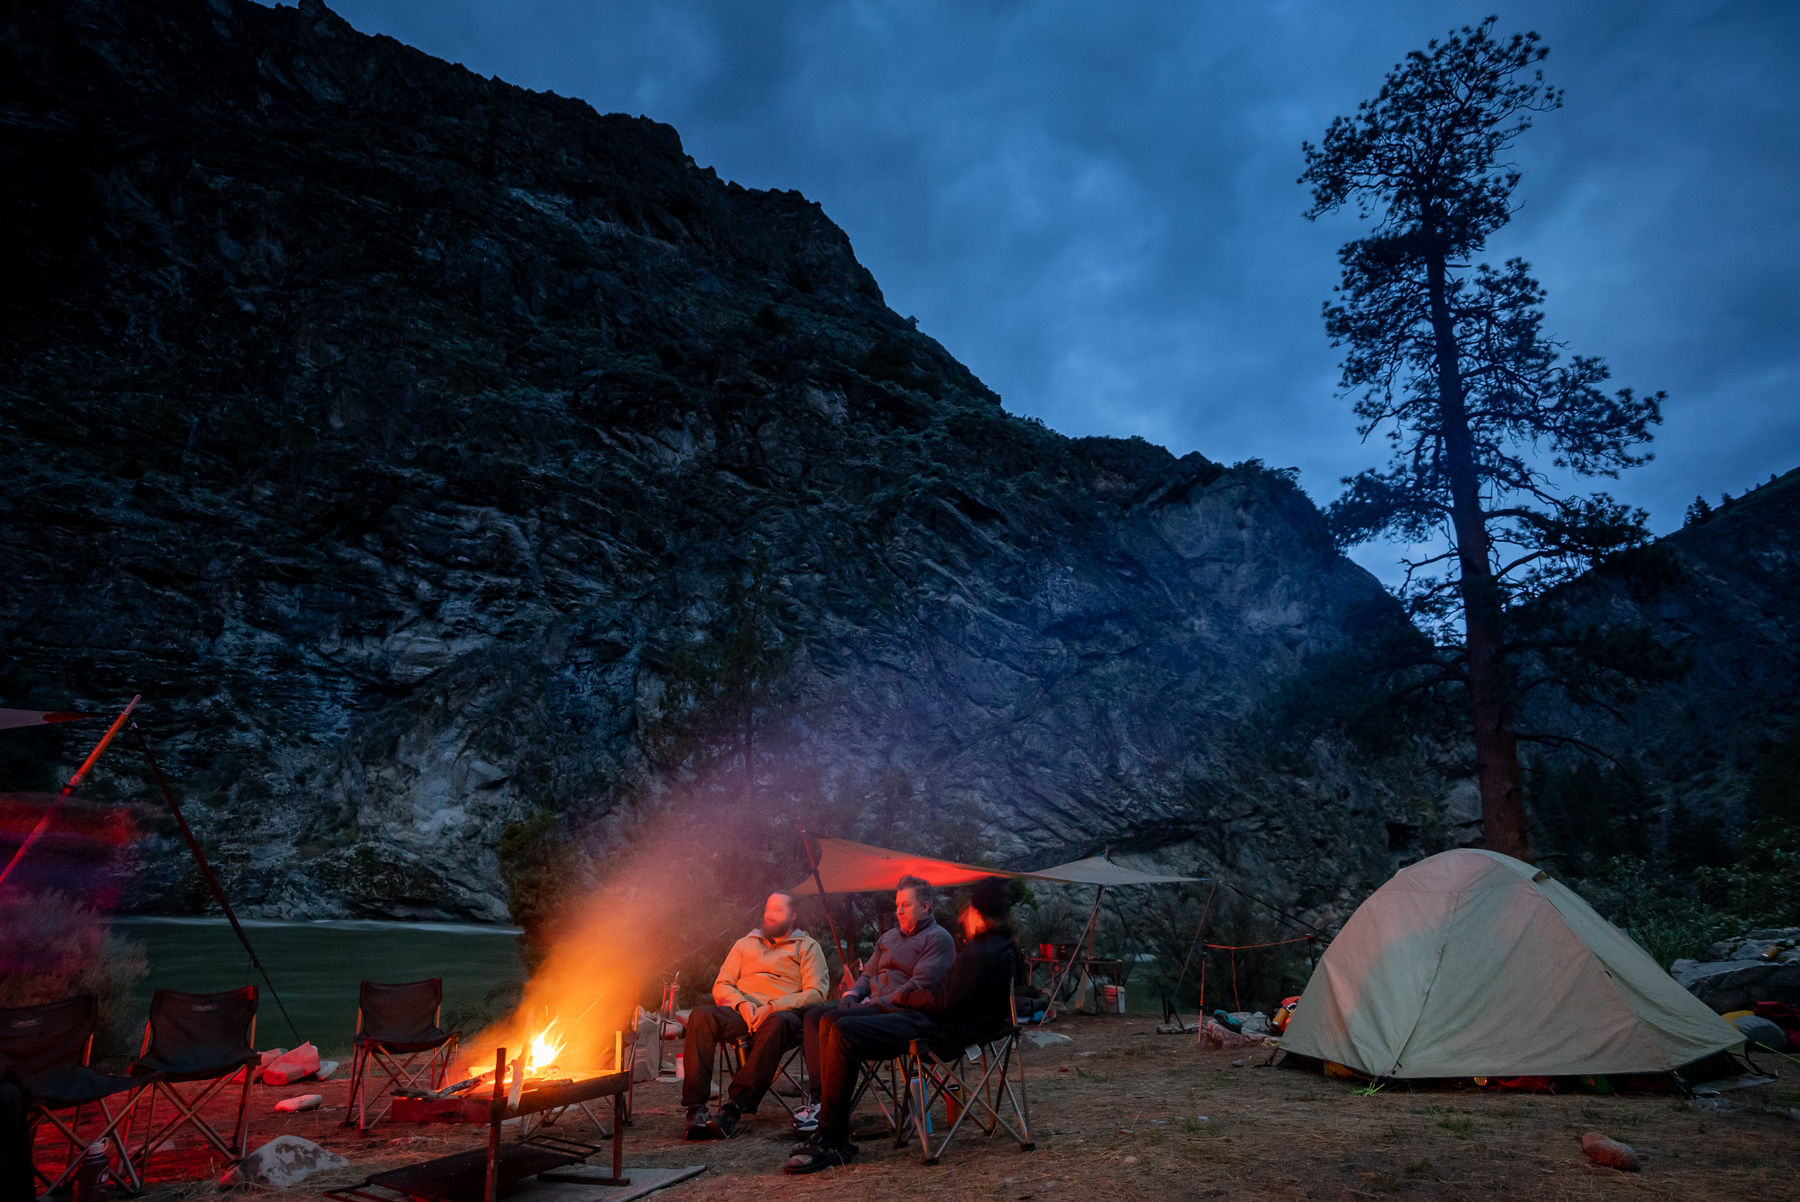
(767,981)
(904,971)
(973,1002)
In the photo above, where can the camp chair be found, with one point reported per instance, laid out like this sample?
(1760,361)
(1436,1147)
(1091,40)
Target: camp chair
(731,1058)
(396,1025)
(887,1077)
(935,1069)
(197,1038)
(49,1047)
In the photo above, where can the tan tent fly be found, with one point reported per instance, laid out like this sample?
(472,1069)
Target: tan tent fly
(1472,963)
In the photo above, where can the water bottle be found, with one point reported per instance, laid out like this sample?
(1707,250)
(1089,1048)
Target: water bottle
(90,1175)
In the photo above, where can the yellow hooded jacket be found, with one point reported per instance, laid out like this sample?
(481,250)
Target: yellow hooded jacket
(788,972)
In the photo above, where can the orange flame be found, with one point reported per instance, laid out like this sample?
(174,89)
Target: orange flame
(543,1050)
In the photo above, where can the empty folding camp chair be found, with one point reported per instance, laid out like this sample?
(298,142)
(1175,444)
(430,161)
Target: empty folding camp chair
(986,1080)
(48,1047)
(395,1026)
(201,1039)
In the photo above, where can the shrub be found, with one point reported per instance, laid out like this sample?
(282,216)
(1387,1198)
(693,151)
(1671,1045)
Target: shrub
(55,948)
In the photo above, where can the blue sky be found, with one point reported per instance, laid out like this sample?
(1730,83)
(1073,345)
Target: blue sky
(1094,207)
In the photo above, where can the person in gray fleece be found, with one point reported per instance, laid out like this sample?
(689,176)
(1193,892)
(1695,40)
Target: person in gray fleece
(903,972)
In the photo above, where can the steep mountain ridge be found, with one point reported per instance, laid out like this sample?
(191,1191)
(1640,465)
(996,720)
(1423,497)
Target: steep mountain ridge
(431,453)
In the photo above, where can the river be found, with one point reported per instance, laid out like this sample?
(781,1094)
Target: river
(316,967)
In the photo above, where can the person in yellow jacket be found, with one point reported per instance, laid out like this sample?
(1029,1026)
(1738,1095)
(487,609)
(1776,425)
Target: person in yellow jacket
(769,979)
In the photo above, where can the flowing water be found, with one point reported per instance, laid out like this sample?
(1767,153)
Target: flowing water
(316,967)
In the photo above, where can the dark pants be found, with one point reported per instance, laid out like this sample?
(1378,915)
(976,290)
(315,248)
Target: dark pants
(846,1039)
(814,1017)
(708,1027)
(15,1144)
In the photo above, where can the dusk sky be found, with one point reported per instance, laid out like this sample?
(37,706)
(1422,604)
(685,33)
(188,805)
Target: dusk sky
(1094,206)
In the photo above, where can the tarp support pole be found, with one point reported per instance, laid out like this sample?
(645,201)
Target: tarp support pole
(212,882)
(74,783)
(812,862)
(1057,980)
(1198,931)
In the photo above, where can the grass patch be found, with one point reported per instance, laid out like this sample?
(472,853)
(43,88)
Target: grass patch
(1456,1126)
(1419,1168)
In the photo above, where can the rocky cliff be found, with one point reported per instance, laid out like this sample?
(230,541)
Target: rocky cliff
(433,453)
(1734,607)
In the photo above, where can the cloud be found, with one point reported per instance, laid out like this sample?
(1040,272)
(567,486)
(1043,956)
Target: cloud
(1094,206)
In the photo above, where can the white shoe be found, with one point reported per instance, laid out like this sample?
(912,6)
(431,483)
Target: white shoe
(806,1119)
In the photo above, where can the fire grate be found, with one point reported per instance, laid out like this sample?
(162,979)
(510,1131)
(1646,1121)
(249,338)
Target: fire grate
(462,1177)
(482,1176)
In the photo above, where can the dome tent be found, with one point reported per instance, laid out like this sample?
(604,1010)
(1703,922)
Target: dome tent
(1472,963)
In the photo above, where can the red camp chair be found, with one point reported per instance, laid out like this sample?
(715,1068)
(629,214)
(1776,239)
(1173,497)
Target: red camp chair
(395,1026)
(48,1047)
(201,1039)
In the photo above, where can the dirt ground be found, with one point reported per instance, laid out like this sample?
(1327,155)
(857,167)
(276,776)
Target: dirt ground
(1123,1112)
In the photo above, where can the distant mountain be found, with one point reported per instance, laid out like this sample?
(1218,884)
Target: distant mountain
(1736,610)
(432,453)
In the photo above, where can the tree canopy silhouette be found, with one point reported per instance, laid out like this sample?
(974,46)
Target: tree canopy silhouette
(1447,357)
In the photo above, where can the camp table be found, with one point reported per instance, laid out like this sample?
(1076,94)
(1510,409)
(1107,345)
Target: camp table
(1089,966)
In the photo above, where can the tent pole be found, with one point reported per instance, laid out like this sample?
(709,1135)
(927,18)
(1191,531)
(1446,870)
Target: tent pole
(1057,980)
(212,881)
(813,863)
(74,783)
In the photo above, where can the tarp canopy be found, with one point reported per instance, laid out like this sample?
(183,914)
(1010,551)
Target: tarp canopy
(13,718)
(1098,870)
(848,867)
(1472,963)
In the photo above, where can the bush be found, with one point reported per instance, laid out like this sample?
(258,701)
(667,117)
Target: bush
(55,948)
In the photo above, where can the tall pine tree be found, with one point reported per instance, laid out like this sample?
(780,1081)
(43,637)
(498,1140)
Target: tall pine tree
(1446,356)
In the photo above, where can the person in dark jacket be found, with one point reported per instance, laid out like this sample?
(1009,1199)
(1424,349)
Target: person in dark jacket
(908,962)
(973,1004)
(15,1137)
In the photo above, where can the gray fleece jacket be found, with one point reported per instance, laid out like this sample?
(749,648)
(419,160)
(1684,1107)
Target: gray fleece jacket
(905,970)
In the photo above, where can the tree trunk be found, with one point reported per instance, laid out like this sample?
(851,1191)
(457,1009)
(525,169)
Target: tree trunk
(1496,744)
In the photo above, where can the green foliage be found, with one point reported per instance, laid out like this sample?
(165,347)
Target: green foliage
(538,867)
(714,687)
(58,947)
(1588,813)
(1774,797)
(892,360)
(1692,890)
(1665,919)
(1367,691)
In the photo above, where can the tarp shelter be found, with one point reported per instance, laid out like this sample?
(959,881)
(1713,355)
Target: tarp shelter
(1472,963)
(845,867)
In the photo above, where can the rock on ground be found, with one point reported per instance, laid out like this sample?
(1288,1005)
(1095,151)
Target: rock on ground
(1609,1152)
(282,1163)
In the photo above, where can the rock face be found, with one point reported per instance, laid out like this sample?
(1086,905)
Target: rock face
(431,452)
(1737,611)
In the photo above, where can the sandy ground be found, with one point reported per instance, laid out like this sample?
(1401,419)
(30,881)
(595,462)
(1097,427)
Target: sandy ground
(1123,1112)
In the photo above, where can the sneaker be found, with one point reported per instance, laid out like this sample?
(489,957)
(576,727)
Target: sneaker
(817,1153)
(701,1125)
(728,1120)
(806,1119)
